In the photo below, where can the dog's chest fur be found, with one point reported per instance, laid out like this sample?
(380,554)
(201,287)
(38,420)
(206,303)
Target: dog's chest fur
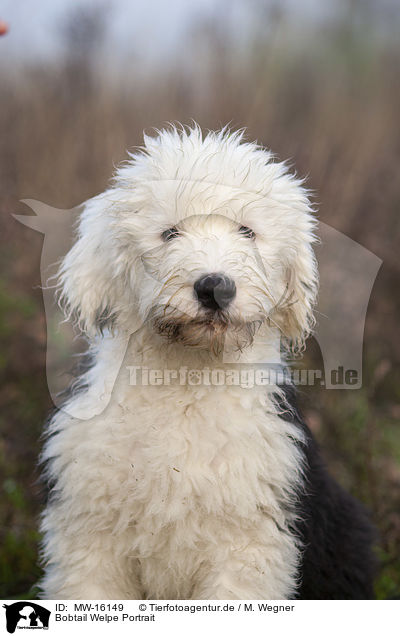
(182,479)
(192,472)
(208,448)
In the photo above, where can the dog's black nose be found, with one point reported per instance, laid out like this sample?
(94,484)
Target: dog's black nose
(215,291)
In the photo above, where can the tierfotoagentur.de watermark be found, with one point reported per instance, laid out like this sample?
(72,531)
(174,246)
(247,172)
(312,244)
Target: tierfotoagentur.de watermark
(245,377)
(347,272)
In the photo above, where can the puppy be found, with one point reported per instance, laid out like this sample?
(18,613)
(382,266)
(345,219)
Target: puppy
(170,476)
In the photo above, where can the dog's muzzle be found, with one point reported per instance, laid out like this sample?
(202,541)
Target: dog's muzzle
(215,291)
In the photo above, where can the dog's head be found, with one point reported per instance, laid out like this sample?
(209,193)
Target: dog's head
(202,239)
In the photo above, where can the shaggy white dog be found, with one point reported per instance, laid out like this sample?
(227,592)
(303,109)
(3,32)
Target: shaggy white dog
(166,484)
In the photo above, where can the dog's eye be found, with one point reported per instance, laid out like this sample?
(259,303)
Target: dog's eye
(247,232)
(169,234)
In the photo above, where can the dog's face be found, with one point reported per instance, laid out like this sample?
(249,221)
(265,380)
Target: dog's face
(202,240)
(205,283)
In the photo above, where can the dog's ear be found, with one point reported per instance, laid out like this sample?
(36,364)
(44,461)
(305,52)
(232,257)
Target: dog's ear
(295,316)
(89,280)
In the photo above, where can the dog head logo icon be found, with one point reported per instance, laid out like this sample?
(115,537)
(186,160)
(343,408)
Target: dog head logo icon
(26,615)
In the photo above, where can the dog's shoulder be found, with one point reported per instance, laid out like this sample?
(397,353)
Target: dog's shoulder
(333,527)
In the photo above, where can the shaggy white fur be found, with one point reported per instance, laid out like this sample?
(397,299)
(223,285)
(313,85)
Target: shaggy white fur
(181,490)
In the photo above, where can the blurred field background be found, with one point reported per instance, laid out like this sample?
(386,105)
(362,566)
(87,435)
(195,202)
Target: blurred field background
(324,93)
